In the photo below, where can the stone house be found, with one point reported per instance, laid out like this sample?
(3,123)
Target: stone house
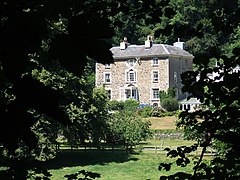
(141,71)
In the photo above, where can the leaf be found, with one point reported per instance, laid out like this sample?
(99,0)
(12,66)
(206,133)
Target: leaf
(166,149)
(166,166)
(179,161)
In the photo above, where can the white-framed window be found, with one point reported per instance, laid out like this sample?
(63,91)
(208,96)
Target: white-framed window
(155,76)
(131,62)
(155,61)
(175,77)
(107,77)
(107,66)
(109,93)
(155,93)
(131,76)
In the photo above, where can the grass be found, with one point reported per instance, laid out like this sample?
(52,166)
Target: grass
(162,123)
(122,166)
(118,166)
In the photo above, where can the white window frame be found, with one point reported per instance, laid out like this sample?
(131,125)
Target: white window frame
(110,78)
(154,95)
(128,76)
(155,79)
(155,61)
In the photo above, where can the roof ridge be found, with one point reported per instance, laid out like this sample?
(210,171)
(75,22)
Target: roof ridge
(163,45)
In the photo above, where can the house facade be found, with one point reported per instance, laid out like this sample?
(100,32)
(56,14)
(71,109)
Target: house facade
(140,71)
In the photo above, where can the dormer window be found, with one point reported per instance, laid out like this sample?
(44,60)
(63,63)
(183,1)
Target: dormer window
(107,66)
(155,61)
(131,62)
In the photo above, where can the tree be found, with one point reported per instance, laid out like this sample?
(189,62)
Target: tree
(127,129)
(44,37)
(34,35)
(220,119)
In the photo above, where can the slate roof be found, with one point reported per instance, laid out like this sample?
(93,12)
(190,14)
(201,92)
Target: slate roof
(134,51)
(190,101)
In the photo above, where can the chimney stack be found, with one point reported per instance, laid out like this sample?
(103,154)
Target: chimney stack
(179,44)
(148,42)
(124,43)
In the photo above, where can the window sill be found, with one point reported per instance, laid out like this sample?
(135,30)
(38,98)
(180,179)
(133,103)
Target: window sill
(130,82)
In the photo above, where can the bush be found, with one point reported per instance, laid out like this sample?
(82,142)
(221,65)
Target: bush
(145,112)
(169,104)
(157,111)
(131,105)
(116,105)
(124,128)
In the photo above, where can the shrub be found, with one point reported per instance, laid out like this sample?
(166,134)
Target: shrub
(131,105)
(116,105)
(170,104)
(145,112)
(157,111)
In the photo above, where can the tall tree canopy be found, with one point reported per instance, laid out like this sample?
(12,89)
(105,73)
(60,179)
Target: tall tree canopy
(211,29)
(36,35)
(44,34)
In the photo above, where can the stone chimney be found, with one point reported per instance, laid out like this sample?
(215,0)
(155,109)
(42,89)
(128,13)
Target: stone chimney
(148,42)
(179,44)
(124,44)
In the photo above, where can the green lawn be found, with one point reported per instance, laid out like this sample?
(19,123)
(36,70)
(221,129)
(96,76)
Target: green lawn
(118,165)
(111,166)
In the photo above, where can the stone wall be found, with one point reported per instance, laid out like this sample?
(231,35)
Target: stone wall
(144,83)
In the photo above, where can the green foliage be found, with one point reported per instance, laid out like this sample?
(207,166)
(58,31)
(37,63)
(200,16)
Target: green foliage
(116,105)
(44,39)
(47,131)
(44,35)
(131,105)
(145,111)
(158,111)
(127,129)
(210,28)
(171,93)
(169,104)
(171,113)
(168,99)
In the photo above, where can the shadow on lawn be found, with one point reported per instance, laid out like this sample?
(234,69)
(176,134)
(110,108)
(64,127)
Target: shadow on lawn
(67,158)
